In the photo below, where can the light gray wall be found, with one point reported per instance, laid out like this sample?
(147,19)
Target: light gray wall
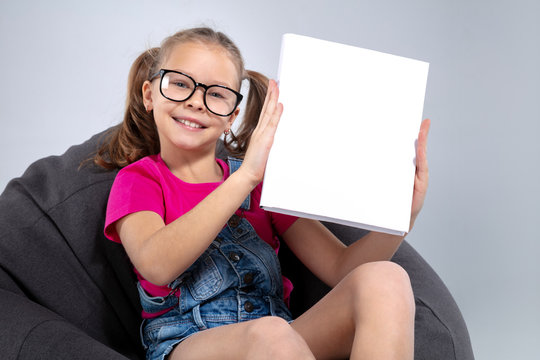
(64,66)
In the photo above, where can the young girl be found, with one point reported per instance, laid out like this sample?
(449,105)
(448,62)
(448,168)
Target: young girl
(205,253)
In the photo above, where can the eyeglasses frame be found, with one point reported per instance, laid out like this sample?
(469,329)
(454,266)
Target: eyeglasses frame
(162,72)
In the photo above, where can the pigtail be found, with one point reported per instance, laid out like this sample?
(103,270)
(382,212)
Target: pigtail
(237,144)
(136,137)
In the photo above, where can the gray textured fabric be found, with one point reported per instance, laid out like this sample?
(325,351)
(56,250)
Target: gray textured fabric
(67,292)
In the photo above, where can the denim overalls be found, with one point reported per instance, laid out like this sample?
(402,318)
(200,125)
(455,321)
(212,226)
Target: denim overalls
(237,278)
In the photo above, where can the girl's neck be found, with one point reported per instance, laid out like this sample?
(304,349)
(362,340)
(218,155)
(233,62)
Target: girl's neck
(194,168)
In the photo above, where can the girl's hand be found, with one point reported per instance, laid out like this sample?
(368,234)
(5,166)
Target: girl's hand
(262,138)
(422,174)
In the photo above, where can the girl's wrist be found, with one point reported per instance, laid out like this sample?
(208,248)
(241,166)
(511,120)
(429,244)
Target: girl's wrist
(244,181)
(248,178)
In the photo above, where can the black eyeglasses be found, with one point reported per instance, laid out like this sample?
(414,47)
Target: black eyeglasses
(179,87)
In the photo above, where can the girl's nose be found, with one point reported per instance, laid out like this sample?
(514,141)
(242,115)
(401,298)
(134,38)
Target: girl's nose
(196,101)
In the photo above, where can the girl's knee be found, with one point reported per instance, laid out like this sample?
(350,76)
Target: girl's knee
(382,280)
(268,327)
(381,273)
(274,336)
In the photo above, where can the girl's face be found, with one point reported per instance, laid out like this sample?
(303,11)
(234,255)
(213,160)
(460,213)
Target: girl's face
(189,125)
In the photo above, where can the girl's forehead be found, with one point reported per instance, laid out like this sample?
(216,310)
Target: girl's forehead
(204,62)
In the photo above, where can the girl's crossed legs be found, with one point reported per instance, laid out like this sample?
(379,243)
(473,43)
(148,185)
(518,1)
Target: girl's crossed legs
(368,315)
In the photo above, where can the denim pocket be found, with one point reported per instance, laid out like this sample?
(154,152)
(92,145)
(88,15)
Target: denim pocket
(155,304)
(205,280)
(161,334)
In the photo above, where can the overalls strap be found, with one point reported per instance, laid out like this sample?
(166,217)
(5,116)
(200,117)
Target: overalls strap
(234,164)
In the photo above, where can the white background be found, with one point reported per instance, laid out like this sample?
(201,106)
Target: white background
(64,65)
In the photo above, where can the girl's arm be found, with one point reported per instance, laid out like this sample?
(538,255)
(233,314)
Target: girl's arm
(162,252)
(328,258)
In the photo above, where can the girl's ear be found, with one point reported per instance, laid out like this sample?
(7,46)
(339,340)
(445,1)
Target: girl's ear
(147,96)
(233,117)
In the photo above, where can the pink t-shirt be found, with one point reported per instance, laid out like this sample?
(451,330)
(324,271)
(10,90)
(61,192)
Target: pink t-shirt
(149,185)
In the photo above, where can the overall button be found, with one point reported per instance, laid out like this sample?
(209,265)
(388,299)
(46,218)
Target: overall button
(234,256)
(234,220)
(248,278)
(248,306)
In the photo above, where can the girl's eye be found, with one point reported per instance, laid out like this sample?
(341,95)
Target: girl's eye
(181,84)
(216,95)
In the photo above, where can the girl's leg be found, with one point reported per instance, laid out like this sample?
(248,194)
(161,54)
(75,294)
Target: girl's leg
(368,315)
(267,338)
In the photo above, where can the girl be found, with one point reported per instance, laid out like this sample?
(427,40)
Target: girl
(205,253)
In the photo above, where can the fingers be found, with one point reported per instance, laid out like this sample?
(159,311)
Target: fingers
(422,136)
(271,110)
(421,151)
(276,106)
(266,99)
(424,131)
(422,173)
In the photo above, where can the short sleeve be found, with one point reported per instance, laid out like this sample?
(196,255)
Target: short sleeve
(135,188)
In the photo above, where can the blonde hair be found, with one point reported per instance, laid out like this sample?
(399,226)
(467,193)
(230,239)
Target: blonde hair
(137,137)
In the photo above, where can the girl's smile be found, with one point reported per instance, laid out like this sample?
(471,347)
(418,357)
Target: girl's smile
(189,123)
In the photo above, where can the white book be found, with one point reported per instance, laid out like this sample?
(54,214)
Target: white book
(345,147)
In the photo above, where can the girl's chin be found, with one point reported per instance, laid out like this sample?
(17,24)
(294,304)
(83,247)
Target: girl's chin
(196,144)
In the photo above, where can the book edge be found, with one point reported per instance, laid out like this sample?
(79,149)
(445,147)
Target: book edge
(335,220)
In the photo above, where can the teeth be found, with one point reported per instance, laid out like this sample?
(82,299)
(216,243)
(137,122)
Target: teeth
(189,123)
